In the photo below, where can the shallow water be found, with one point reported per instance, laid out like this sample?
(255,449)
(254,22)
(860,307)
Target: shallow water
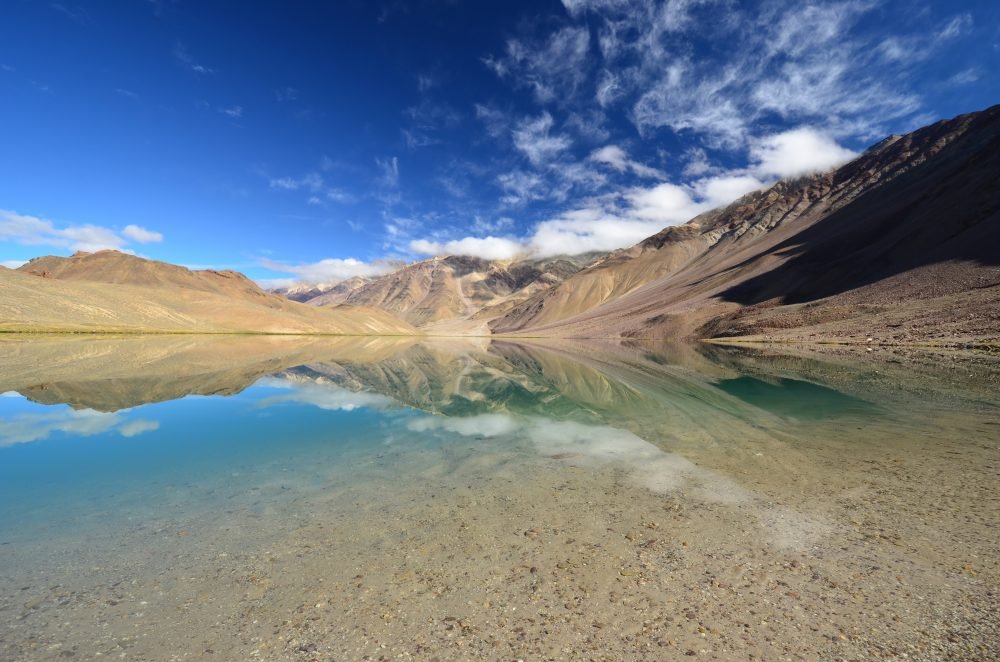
(172,498)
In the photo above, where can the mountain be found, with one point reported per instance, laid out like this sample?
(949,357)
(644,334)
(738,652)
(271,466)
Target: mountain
(114,267)
(455,292)
(112,291)
(901,243)
(321,293)
(334,294)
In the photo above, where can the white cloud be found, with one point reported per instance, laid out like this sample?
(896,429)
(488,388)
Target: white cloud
(12,264)
(330,270)
(589,229)
(488,248)
(723,189)
(797,152)
(141,234)
(666,204)
(611,155)
(34,231)
(234,112)
(616,157)
(532,138)
(607,223)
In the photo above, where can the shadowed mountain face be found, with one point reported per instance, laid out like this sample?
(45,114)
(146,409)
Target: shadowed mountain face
(915,217)
(945,207)
(111,291)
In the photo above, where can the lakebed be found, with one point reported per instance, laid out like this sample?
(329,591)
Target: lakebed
(323,498)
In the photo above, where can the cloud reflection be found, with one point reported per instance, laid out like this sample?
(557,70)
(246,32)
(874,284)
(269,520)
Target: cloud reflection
(30,427)
(323,394)
(647,465)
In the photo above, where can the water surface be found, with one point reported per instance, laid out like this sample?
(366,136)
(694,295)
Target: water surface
(281,498)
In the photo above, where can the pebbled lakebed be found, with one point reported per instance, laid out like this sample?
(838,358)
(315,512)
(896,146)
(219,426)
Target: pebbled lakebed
(293,498)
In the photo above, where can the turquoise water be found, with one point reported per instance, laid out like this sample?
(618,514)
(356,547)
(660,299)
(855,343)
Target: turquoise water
(330,499)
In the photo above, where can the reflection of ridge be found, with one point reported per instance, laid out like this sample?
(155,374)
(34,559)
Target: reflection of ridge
(110,374)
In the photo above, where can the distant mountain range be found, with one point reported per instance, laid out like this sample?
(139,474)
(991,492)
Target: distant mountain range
(455,293)
(900,245)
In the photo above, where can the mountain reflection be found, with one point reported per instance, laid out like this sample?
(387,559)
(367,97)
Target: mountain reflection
(678,391)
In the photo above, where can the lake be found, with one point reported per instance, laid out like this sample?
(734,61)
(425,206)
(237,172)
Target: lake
(247,497)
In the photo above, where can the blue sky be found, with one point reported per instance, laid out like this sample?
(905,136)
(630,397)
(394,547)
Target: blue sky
(318,140)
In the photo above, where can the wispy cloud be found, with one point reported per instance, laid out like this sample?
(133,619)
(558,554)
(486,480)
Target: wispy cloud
(389,168)
(554,68)
(77,14)
(234,112)
(314,183)
(965,77)
(533,137)
(286,94)
(425,82)
(955,27)
(615,157)
(127,93)
(182,55)
(142,235)
(623,217)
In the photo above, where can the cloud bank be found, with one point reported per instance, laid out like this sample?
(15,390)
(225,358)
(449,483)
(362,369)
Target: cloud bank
(34,231)
(327,271)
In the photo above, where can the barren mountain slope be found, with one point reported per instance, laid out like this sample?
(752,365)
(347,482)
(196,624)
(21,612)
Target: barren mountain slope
(458,287)
(111,266)
(35,303)
(915,216)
